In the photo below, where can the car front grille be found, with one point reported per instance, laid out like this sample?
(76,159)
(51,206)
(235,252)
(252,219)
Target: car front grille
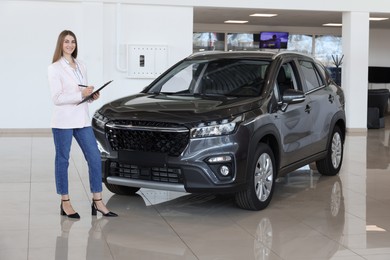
(158,174)
(144,136)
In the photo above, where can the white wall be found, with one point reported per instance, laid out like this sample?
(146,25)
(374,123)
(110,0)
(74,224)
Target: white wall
(29,34)
(171,26)
(379,51)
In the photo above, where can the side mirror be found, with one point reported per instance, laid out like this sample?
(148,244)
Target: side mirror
(291,96)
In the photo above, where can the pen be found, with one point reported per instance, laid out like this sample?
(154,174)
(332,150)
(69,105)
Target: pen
(84,86)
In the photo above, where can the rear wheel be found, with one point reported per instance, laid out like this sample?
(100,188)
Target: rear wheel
(121,190)
(260,188)
(331,164)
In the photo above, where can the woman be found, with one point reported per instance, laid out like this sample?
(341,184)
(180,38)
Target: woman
(66,74)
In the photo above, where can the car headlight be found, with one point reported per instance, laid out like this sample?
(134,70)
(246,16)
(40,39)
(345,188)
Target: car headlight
(215,128)
(100,120)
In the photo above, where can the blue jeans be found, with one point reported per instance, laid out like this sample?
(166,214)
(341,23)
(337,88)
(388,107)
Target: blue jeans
(87,142)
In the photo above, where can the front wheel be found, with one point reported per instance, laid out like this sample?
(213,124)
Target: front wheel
(260,187)
(331,164)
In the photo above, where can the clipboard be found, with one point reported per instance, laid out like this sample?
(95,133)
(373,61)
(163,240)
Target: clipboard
(93,93)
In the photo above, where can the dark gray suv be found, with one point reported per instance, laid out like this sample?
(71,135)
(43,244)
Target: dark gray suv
(224,122)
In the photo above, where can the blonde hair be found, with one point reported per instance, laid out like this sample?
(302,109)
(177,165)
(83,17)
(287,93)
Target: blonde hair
(58,51)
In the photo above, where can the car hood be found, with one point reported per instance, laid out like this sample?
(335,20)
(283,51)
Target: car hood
(178,109)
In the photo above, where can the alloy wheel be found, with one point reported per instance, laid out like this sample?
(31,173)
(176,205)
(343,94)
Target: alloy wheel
(336,150)
(263,177)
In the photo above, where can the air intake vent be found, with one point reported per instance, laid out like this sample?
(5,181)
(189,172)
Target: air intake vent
(159,174)
(143,136)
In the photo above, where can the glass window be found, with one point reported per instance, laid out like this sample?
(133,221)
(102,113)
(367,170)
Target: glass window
(327,46)
(324,72)
(181,81)
(286,78)
(243,41)
(311,75)
(228,77)
(208,41)
(300,42)
(234,77)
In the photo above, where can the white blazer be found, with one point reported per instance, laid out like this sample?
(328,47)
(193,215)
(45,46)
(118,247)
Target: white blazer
(66,94)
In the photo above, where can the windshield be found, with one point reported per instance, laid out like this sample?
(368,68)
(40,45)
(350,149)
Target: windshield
(226,77)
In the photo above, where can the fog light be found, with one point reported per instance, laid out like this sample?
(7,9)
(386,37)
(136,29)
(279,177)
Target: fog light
(224,170)
(219,159)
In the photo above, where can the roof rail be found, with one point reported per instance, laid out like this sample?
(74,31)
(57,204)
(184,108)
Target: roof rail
(204,53)
(291,52)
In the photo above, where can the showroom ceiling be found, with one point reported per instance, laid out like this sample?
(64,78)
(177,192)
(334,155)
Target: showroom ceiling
(212,15)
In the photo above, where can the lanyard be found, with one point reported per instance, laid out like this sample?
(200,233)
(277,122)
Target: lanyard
(77,72)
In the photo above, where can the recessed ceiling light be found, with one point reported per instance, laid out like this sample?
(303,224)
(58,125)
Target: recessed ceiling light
(378,18)
(374,228)
(235,21)
(333,24)
(263,15)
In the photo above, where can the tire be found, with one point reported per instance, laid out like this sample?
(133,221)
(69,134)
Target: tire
(121,190)
(331,164)
(258,193)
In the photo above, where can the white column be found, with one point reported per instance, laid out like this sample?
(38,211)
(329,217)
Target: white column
(353,176)
(355,68)
(355,84)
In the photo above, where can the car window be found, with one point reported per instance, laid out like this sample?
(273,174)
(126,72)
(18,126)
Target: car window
(234,77)
(311,75)
(286,79)
(181,81)
(230,77)
(324,72)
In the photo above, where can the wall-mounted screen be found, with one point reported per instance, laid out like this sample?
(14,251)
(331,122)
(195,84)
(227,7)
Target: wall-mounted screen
(273,40)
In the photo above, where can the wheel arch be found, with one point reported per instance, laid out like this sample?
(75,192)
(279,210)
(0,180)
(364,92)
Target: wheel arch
(338,120)
(330,164)
(269,135)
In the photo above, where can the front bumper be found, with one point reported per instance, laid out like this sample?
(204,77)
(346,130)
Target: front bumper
(183,178)
(191,171)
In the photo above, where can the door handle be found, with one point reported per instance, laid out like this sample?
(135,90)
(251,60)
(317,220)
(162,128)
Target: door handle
(307,109)
(331,98)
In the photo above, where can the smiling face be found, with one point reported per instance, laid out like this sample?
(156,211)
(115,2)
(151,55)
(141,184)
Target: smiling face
(69,45)
(66,46)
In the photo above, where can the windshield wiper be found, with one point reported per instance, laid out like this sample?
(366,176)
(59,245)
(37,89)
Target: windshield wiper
(210,95)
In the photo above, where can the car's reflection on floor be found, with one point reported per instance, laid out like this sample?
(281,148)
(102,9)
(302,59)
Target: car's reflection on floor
(303,200)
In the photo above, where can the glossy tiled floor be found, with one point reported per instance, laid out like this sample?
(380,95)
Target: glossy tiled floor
(345,217)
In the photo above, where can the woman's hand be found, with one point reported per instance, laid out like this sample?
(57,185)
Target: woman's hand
(87,91)
(96,96)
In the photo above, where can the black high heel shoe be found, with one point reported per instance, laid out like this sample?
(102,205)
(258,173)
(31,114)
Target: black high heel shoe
(63,213)
(95,210)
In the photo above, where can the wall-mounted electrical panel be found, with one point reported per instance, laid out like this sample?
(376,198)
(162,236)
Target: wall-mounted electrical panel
(146,61)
